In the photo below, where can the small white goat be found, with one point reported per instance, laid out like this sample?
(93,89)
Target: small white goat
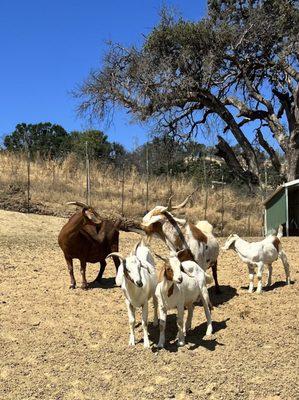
(181,284)
(137,277)
(258,254)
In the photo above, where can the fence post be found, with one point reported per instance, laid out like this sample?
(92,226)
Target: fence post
(147,175)
(222,183)
(206,188)
(249,226)
(87,175)
(123,191)
(28,180)
(222,204)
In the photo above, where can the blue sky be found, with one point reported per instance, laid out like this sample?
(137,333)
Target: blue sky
(49,46)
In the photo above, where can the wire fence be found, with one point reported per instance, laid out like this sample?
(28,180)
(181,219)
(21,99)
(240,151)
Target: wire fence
(123,190)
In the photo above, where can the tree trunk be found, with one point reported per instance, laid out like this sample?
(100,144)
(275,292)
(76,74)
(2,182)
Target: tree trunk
(226,152)
(292,161)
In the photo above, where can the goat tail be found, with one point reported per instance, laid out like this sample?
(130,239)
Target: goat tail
(280,232)
(208,277)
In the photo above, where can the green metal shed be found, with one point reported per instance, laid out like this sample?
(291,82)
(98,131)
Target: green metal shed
(282,208)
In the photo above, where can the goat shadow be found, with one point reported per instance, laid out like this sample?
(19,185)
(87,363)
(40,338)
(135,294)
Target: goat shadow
(194,338)
(227,293)
(105,283)
(275,285)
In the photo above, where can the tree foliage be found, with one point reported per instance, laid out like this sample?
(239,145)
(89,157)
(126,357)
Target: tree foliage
(53,141)
(99,148)
(239,63)
(49,140)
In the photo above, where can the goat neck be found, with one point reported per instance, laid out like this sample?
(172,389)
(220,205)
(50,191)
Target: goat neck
(76,222)
(173,229)
(241,247)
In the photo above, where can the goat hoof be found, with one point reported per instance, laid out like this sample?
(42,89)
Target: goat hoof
(209,331)
(84,286)
(181,343)
(72,286)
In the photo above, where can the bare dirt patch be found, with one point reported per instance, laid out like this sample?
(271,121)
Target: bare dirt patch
(66,344)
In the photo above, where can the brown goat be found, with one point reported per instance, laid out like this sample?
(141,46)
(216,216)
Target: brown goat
(88,238)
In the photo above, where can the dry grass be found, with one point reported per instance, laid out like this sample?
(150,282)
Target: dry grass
(53,184)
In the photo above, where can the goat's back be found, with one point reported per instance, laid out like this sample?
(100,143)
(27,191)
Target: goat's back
(81,245)
(205,227)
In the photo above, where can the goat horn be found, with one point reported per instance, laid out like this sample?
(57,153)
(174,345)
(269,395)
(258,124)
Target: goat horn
(161,258)
(136,230)
(77,203)
(183,203)
(116,254)
(135,248)
(169,202)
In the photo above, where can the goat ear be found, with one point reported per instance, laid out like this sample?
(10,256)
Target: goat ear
(91,215)
(187,272)
(185,255)
(161,273)
(147,266)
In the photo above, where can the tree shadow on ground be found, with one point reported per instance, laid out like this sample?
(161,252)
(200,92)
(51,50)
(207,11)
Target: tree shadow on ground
(194,338)
(106,283)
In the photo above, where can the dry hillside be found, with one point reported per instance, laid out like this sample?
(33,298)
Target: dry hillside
(52,184)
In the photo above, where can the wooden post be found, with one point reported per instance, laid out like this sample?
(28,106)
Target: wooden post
(87,175)
(222,204)
(147,177)
(249,226)
(222,183)
(123,191)
(28,179)
(206,188)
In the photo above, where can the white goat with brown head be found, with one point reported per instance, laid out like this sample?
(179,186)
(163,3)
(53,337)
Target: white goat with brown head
(181,284)
(180,234)
(137,278)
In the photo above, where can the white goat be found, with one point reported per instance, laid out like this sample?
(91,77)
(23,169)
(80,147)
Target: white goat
(137,277)
(181,284)
(179,234)
(258,254)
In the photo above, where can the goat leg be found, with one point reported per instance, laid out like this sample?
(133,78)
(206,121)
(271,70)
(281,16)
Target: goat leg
(214,271)
(101,272)
(69,263)
(83,273)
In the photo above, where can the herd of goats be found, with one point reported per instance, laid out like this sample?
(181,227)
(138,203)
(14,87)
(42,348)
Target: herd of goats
(181,281)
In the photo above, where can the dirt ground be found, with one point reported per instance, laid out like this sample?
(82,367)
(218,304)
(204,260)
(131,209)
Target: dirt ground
(62,344)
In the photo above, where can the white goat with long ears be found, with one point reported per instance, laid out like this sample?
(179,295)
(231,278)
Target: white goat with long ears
(257,254)
(179,234)
(137,278)
(181,284)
